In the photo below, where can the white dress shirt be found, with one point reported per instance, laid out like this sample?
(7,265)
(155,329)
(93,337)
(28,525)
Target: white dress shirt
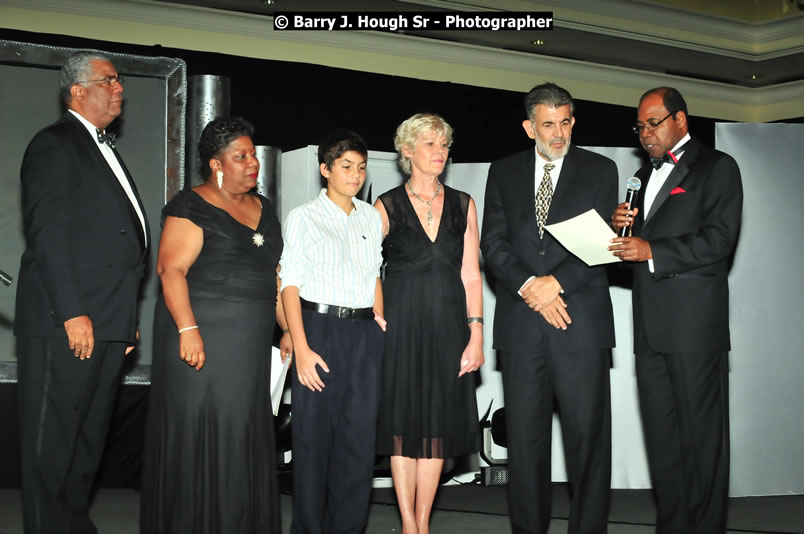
(538,173)
(114,163)
(333,258)
(657,179)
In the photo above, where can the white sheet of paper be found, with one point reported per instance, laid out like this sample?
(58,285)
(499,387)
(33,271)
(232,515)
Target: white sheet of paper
(586,236)
(279,371)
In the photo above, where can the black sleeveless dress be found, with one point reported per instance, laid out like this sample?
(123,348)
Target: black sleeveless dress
(426,411)
(210,465)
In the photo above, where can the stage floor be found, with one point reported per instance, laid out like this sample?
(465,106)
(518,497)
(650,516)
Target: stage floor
(465,509)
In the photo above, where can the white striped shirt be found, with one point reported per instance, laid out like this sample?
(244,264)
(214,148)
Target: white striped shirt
(333,258)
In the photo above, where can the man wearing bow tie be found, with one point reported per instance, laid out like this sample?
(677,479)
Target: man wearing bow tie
(76,310)
(685,229)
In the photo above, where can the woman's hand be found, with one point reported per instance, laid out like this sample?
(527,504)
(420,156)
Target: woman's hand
(286,347)
(472,358)
(191,348)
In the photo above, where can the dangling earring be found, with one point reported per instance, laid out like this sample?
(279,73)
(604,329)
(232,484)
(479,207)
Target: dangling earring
(219,175)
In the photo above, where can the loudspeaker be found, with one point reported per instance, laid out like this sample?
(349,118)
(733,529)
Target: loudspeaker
(494,475)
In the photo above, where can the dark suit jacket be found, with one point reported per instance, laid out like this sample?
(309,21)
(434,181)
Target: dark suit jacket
(513,252)
(684,305)
(84,251)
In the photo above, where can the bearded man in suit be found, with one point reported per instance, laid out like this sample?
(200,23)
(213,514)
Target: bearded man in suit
(553,325)
(685,229)
(76,311)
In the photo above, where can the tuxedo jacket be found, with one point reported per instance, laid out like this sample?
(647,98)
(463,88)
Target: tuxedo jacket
(692,228)
(85,253)
(513,252)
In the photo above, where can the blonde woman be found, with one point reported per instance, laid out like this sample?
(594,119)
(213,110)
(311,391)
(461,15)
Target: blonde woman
(434,307)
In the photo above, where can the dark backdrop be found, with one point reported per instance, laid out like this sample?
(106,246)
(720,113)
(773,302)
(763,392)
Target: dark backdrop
(294,104)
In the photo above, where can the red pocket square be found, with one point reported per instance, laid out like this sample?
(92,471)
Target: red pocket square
(676,191)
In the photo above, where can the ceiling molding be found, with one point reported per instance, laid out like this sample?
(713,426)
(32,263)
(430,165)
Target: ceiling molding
(671,20)
(686,45)
(651,22)
(486,67)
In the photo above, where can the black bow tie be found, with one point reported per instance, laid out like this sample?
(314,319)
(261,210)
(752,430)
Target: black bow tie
(108,138)
(658,162)
(668,157)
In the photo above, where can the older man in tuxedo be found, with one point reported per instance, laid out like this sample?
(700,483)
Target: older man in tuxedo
(685,228)
(76,312)
(553,326)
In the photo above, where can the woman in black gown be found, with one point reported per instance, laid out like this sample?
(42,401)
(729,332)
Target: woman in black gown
(434,306)
(209,457)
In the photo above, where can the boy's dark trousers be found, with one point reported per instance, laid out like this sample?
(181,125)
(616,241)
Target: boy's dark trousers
(334,430)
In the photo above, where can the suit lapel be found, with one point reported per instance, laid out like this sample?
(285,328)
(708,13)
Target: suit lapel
(677,175)
(146,239)
(563,187)
(526,188)
(109,176)
(644,175)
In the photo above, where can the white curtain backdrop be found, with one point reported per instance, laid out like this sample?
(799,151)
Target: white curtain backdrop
(767,331)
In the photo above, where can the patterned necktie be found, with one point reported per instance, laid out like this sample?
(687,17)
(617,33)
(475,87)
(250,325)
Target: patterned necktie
(108,138)
(543,198)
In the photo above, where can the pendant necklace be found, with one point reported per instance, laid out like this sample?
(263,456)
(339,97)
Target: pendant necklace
(426,202)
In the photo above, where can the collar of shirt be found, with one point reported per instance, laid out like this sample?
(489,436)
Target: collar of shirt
(680,142)
(89,126)
(538,173)
(333,208)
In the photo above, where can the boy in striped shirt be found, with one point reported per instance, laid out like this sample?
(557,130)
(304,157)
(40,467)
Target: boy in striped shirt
(332,296)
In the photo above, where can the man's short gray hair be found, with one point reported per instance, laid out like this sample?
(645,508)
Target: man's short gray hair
(548,94)
(77,68)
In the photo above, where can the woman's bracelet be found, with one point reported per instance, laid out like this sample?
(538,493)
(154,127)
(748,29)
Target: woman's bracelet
(470,320)
(285,331)
(186,328)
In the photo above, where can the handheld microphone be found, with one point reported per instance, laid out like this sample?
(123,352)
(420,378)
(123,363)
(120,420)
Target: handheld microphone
(632,190)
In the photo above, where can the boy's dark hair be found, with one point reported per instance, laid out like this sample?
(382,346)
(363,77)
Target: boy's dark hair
(337,143)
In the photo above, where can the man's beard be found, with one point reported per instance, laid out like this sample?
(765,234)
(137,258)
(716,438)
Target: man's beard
(549,153)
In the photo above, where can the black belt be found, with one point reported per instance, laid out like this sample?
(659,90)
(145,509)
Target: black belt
(341,312)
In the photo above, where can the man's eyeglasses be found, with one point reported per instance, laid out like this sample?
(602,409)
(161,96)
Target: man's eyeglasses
(651,125)
(110,80)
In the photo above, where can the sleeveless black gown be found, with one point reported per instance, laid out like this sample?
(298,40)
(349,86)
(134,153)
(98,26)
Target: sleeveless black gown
(426,411)
(210,465)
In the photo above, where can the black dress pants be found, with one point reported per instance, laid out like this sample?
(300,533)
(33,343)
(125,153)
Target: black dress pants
(579,383)
(684,401)
(65,407)
(334,430)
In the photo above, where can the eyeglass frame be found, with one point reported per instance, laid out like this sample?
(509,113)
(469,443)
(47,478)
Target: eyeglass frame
(650,126)
(110,81)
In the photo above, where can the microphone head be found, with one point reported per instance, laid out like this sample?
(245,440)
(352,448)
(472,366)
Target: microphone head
(633,184)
